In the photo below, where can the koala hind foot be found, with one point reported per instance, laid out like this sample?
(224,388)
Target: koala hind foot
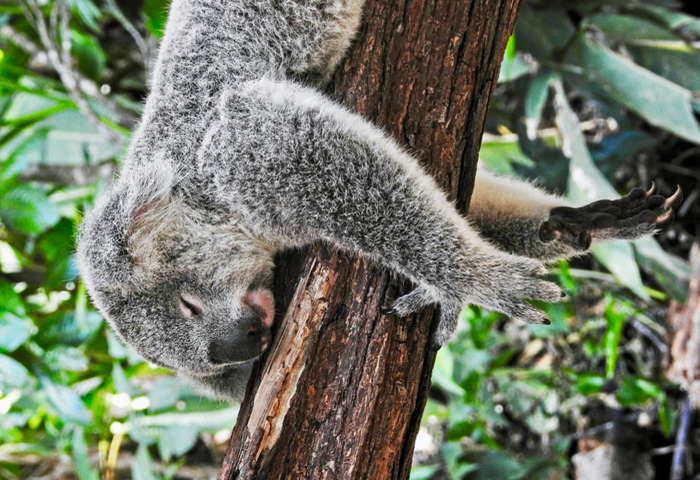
(637,214)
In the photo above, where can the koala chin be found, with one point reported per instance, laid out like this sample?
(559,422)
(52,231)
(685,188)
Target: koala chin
(239,155)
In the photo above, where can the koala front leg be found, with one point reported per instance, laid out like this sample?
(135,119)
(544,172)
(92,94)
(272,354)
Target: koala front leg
(300,168)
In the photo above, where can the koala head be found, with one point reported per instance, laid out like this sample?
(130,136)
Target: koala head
(184,287)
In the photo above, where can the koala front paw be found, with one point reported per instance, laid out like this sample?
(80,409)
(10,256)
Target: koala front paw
(501,284)
(637,214)
(516,279)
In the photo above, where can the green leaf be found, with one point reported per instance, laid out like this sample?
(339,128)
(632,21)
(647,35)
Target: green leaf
(512,67)
(443,372)
(142,468)
(670,271)
(26,208)
(500,153)
(121,383)
(660,102)
(91,58)
(499,465)
(677,66)
(618,258)
(164,394)
(12,374)
(81,458)
(155,12)
(18,160)
(69,407)
(674,20)
(629,28)
(535,100)
(177,440)
(543,32)
(87,12)
(115,347)
(14,331)
(638,391)
(204,421)
(69,329)
(423,472)
(65,358)
(588,383)
(10,301)
(613,334)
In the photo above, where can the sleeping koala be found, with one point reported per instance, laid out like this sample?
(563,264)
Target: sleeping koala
(236,159)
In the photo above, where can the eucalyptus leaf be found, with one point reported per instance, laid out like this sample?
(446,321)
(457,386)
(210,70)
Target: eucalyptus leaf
(659,101)
(69,329)
(81,458)
(443,372)
(543,32)
(164,394)
(63,358)
(10,301)
(14,331)
(142,468)
(536,99)
(26,208)
(423,472)
(629,28)
(177,440)
(69,407)
(121,382)
(12,374)
(204,421)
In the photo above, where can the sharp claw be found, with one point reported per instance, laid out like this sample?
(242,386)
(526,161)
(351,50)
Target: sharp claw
(674,200)
(387,311)
(652,190)
(664,219)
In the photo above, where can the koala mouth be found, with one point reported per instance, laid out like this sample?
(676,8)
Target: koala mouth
(262,303)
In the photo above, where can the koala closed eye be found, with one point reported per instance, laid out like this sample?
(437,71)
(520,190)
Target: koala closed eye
(190,306)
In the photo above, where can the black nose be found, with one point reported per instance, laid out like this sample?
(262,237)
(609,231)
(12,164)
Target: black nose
(247,339)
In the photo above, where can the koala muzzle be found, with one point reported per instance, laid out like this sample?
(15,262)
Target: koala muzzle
(246,341)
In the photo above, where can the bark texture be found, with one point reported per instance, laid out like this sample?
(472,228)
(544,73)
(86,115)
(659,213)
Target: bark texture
(342,390)
(685,346)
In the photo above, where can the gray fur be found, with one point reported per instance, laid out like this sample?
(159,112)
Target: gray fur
(236,159)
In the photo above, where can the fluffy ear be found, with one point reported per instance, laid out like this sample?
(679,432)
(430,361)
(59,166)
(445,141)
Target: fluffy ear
(115,234)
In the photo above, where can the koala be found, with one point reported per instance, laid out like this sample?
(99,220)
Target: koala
(240,155)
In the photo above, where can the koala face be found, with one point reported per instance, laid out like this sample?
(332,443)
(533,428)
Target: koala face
(185,289)
(193,327)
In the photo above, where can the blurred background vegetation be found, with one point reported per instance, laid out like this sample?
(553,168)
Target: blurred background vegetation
(595,97)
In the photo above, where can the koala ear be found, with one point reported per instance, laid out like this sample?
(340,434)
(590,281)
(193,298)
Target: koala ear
(115,234)
(146,220)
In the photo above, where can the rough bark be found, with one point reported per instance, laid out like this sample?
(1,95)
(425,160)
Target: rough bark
(341,392)
(685,346)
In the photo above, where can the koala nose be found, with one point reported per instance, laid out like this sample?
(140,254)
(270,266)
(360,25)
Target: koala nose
(247,340)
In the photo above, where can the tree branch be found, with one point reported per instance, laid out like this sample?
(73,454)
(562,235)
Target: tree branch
(61,62)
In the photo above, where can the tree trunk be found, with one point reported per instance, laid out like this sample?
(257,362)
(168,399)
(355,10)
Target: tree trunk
(341,392)
(685,345)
